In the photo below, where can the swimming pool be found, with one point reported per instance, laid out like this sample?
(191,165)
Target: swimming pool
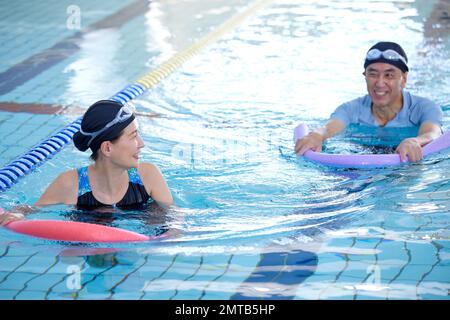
(254,221)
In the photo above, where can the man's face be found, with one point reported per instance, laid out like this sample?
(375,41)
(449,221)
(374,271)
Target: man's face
(385,83)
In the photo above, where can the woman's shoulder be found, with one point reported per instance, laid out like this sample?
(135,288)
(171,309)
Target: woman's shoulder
(69,174)
(62,190)
(155,183)
(67,179)
(147,169)
(146,166)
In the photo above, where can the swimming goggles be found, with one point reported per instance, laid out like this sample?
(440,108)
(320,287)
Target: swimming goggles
(388,54)
(123,115)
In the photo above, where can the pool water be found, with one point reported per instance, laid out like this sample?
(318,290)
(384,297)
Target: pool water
(252,220)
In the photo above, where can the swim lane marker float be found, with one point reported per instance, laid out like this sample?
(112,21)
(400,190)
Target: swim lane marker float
(365,160)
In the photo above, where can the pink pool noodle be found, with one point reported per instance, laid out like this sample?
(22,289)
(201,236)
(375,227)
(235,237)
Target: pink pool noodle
(74,231)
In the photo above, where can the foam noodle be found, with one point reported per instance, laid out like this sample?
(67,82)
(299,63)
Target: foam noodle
(74,231)
(365,160)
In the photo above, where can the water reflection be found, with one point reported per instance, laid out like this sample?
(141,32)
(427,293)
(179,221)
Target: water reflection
(437,24)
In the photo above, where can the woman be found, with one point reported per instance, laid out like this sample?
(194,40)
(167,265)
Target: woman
(116,178)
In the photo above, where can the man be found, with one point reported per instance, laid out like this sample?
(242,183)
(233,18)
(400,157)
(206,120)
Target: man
(387,104)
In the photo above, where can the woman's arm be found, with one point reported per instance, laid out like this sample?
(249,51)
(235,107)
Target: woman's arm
(155,184)
(63,189)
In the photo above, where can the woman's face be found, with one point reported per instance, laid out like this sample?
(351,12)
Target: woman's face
(125,150)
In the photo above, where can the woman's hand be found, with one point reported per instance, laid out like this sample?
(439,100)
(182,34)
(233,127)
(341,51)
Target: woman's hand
(7,217)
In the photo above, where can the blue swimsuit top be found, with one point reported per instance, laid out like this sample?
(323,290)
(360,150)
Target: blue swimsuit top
(136,195)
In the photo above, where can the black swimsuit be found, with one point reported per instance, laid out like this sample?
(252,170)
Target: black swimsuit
(136,195)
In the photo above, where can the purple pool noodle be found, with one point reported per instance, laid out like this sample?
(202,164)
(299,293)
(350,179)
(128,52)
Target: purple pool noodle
(365,160)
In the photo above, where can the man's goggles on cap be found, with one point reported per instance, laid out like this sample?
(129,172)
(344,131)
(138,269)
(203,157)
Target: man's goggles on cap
(388,54)
(124,114)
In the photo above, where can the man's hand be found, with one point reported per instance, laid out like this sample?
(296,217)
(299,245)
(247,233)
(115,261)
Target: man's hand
(313,141)
(410,148)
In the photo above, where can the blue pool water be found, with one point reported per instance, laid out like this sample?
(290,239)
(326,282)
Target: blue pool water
(251,220)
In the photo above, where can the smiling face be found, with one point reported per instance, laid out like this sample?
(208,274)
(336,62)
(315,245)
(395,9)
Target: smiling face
(384,85)
(125,150)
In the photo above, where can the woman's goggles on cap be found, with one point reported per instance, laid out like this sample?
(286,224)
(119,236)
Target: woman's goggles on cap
(123,115)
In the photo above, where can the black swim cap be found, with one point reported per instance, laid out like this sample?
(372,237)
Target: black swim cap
(383,46)
(102,122)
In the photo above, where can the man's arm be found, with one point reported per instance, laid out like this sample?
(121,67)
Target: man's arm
(314,140)
(412,147)
(428,131)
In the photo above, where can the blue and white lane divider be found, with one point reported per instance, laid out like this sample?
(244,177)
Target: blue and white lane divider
(19,167)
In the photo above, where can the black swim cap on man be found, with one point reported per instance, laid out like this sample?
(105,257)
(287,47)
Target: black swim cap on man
(385,57)
(103,121)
